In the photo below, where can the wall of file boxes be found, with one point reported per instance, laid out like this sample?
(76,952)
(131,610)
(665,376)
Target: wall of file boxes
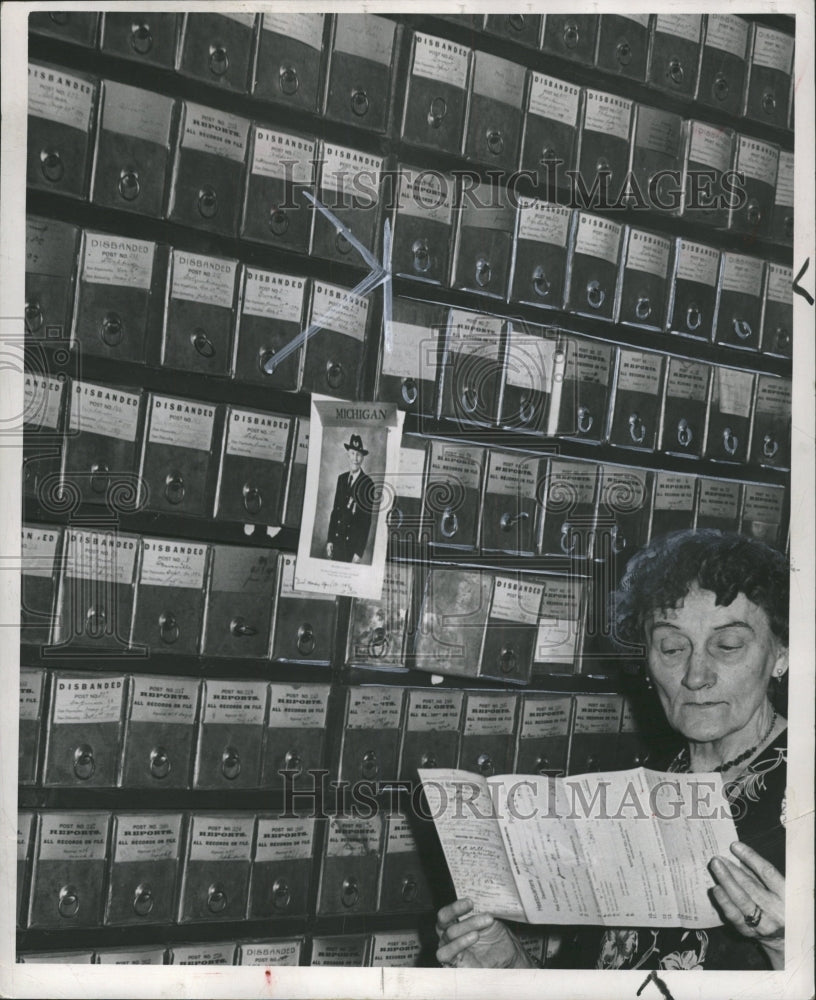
(589,377)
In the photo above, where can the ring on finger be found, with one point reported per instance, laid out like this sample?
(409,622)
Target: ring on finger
(754,918)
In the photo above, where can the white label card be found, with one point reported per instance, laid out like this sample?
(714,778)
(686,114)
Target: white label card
(433,711)
(779,285)
(543,222)
(460,462)
(413,352)
(710,146)
(38,549)
(216,838)
(98,409)
(734,390)
(146,838)
(42,398)
(742,274)
(136,112)
(426,194)
(718,499)
(530,361)
(512,475)
(440,60)
(259,436)
(341,164)
(515,600)
(284,839)
(59,97)
(763,503)
(498,79)
(237,703)
(167,563)
(411,473)
(209,280)
(117,260)
(489,715)
(542,717)
(374,708)
(728,33)
(167,700)
(93,555)
(272,953)
(773,396)
(273,296)
(640,372)
(685,26)
(784,180)
(337,309)
(73,836)
(554,99)
(31,691)
(572,479)
(687,380)
(298,706)
(673,491)
(207,130)
(284,156)
(365,36)
(596,714)
(773,50)
(91,700)
(757,160)
(607,113)
(181,423)
(305,28)
(597,237)
(647,252)
(697,263)
(354,838)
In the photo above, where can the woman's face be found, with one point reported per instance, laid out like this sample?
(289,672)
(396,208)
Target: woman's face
(711,664)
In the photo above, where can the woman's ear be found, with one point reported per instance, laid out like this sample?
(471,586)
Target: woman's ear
(780,667)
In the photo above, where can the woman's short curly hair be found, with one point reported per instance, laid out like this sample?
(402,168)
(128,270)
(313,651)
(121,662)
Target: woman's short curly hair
(660,575)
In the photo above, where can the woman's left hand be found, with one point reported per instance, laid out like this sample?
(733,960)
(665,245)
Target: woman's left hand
(756,890)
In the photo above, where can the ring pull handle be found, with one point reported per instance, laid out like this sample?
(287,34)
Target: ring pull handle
(623,53)
(567,534)
(788,224)
(541,283)
(266,361)
(694,317)
(449,523)
(770,446)
(59,17)
(288,80)
(483,272)
(202,343)
(409,889)
(174,488)
(637,429)
(485,765)
(378,644)
(437,111)
(207,202)
(34,317)
(335,375)
(428,759)
(95,620)
(516,22)
(100,476)
(783,338)
(527,410)
(422,256)
(159,763)
(278,221)
(341,244)
(507,520)
(168,628)
(409,391)
(585,420)
(51,166)
(618,539)
(495,141)
(721,87)
(251,498)
(643,308)
(571,35)
(217,898)
(370,766)
(547,154)
(230,763)
(754,212)
(508,660)
(684,433)
(542,765)
(141,38)
(218,60)
(470,400)
(239,627)
(395,518)
(281,895)
(769,102)
(305,639)
(111,329)
(68,902)
(143,899)
(84,764)
(595,295)
(129,185)
(677,72)
(359,103)
(730,441)
(293,761)
(349,892)
(742,328)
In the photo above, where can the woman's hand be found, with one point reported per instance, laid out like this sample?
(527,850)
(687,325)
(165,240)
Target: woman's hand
(757,890)
(478,942)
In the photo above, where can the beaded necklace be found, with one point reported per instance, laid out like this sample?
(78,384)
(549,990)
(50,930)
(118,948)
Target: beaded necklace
(682,762)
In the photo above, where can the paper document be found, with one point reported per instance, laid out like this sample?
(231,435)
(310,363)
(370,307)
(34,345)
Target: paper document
(611,848)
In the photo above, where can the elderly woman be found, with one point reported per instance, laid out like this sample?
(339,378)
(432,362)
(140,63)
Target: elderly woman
(712,611)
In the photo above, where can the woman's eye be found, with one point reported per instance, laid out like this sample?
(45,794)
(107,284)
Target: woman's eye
(672,650)
(728,649)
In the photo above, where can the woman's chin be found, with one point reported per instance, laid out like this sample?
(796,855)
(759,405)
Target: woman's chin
(703,723)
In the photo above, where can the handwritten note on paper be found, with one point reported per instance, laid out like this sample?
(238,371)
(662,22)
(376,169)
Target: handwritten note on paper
(620,847)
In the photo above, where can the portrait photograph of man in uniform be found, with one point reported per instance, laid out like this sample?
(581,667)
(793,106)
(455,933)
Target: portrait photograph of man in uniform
(350,520)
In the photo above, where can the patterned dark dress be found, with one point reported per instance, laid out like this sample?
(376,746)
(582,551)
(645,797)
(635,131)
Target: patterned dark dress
(759,815)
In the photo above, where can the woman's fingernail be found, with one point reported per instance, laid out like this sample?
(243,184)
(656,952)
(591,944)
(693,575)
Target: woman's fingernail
(716,864)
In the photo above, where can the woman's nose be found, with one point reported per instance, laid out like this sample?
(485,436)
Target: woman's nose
(700,671)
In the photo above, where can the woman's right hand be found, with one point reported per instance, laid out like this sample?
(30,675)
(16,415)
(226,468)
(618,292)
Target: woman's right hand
(477,942)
